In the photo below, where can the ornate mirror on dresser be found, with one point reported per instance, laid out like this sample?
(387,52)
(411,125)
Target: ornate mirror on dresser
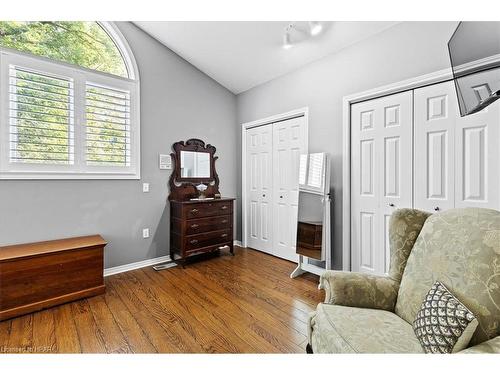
(200,220)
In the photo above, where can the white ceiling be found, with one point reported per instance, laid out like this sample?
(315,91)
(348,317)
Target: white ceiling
(242,55)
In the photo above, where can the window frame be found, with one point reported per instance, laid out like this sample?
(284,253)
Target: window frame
(80,75)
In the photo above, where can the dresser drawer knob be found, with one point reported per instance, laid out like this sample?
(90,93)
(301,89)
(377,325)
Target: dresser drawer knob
(224,235)
(194,210)
(224,221)
(224,208)
(194,226)
(193,242)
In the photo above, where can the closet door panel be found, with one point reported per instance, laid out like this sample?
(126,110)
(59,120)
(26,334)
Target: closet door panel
(381,146)
(259,187)
(364,189)
(434,129)
(289,142)
(396,177)
(477,159)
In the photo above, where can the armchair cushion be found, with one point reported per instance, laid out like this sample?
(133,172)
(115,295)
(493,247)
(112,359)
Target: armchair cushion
(359,290)
(404,227)
(488,347)
(343,329)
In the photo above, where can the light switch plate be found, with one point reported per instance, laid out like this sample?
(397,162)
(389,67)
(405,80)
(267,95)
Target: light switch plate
(145,233)
(145,187)
(165,161)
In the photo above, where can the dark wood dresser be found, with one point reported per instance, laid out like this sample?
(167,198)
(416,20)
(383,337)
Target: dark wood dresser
(200,226)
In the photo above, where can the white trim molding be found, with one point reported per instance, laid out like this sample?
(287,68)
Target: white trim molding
(347,101)
(133,266)
(253,124)
(237,243)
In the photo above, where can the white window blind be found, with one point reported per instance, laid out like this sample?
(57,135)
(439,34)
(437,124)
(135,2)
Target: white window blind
(108,126)
(315,170)
(60,121)
(41,117)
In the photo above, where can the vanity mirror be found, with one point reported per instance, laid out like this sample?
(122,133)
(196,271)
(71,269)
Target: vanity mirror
(313,215)
(194,166)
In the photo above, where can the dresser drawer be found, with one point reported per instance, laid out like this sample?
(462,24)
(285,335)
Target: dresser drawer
(210,224)
(208,239)
(207,209)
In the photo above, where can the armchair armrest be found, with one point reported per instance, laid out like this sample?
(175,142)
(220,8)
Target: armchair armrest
(359,290)
(490,346)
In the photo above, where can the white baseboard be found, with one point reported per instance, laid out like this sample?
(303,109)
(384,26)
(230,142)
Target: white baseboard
(237,243)
(136,265)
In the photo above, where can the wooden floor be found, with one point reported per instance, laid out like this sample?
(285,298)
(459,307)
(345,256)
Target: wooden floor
(241,304)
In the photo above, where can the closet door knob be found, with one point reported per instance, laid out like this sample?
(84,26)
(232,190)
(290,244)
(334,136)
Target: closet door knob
(436,208)
(281,196)
(391,204)
(264,195)
(193,242)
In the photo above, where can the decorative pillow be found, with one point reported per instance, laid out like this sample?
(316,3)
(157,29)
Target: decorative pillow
(443,324)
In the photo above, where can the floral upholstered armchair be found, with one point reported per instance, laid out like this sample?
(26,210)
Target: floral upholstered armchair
(374,314)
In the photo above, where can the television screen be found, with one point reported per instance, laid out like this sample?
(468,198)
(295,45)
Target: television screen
(474,52)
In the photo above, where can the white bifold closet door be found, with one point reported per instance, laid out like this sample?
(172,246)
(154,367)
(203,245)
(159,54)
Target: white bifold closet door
(272,159)
(414,150)
(381,173)
(456,158)
(289,141)
(259,154)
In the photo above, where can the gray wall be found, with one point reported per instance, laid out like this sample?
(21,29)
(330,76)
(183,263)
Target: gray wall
(403,51)
(177,102)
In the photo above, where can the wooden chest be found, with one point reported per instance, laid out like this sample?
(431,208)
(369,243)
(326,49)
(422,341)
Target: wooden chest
(44,274)
(200,226)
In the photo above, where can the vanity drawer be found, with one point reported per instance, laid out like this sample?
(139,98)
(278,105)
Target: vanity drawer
(195,226)
(208,239)
(208,209)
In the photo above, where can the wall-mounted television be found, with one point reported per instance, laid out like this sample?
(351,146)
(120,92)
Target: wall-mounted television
(474,50)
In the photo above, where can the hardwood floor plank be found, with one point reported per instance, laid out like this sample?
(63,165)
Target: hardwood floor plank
(4,336)
(230,314)
(66,333)
(272,330)
(220,331)
(91,340)
(153,330)
(161,323)
(44,335)
(194,337)
(254,302)
(241,304)
(21,334)
(111,334)
(133,333)
(263,289)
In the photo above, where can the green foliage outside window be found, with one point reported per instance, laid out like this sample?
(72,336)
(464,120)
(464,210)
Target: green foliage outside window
(81,43)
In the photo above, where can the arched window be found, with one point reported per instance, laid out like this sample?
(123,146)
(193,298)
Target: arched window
(69,100)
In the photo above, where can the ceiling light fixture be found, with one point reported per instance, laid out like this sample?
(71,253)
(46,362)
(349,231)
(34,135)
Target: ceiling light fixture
(315,27)
(287,44)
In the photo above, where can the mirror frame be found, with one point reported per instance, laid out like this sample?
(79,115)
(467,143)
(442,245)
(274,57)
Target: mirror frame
(184,188)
